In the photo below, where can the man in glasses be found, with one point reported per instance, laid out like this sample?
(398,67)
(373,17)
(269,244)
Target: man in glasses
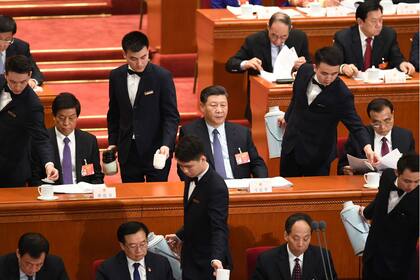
(10,46)
(134,262)
(384,136)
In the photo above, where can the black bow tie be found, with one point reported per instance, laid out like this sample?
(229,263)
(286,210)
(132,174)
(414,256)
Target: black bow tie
(400,191)
(131,72)
(195,180)
(315,82)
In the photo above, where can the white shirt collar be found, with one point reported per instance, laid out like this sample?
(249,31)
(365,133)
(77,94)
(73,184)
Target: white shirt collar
(199,176)
(130,262)
(363,37)
(387,136)
(292,256)
(220,129)
(61,136)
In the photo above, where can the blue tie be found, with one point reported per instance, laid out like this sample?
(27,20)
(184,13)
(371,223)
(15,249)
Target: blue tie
(219,163)
(66,164)
(136,273)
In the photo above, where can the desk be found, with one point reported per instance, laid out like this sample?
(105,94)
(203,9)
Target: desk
(171,25)
(83,230)
(220,35)
(405,98)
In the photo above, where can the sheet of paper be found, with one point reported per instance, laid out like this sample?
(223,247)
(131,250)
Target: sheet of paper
(81,187)
(267,76)
(291,13)
(284,63)
(359,164)
(275,182)
(390,160)
(234,10)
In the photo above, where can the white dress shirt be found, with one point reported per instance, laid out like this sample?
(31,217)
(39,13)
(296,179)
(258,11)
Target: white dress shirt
(363,43)
(3,59)
(292,260)
(192,183)
(23,276)
(377,142)
(72,145)
(313,90)
(223,143)
(275,50)
(132,86)
(394,199)
(142,268)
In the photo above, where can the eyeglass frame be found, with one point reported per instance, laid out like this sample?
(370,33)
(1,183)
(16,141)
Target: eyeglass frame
(9,42)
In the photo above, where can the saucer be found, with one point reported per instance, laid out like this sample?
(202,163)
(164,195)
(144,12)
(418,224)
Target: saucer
(247,17)
(370,187)
(378,81)
(47,198)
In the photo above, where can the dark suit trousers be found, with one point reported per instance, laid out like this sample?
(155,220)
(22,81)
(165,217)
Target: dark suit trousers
(290,168)
(133,171)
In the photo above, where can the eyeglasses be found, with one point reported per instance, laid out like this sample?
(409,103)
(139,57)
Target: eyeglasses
(71,118)
(386,122)
(8,42)
(133,246)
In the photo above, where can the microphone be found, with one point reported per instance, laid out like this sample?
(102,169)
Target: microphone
(322,227)
(315,227)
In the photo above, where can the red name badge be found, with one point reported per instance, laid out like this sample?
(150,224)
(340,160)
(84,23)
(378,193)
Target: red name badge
(87,170)
(242,158)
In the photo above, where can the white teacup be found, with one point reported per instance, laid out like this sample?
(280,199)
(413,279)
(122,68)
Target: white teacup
(46,191)
(159,160)
(372,74)
(246,10)
(372,179)
(315,8)
(222,274)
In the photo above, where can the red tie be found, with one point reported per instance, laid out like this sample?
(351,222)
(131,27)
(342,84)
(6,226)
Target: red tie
(367,62)
(384,148)
(297,271)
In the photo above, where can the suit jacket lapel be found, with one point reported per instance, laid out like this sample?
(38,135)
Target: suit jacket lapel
(57,162)
(145,80)
(232,147)
(149,269)
(78,151)
(395,140)
(308,262)
(266,52)
(283,263)
(357,46)
(123,266)
(203,133)
(125,97)
(377,46)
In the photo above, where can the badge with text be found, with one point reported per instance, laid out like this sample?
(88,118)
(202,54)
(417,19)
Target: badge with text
(242,158)
(87,169)
(103,193)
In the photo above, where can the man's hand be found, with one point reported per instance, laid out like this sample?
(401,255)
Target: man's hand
(253,63)
(301,60)
(372,157)
(52,173)
(164,150)
(216,264)
(281,121)
(407,67)
(111,147)
(347,170)
(32,83)
(174,243)
(349,70)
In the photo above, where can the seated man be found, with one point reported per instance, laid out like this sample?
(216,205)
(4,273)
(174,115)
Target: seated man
(368,43)
(414,52)
(295,259)
(10,46)
(260,50)
(395,223)
(384,136)
(76,153)
(134,262)
(221,4)
(224,142)
(32,261)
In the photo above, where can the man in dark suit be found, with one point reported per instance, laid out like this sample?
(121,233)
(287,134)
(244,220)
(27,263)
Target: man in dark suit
(76,153)
(134,262)
(21,123)
(204,235)
(235,140)
(10,46)
(320,100)
(260,50)
(32,261)
(368,43)
(142,116)
(296,259)
(390,247)
(384,136)
(414,52)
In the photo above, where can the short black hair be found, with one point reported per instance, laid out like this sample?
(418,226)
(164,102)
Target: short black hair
(367,6)
(189,148)
(7,24)
(65,100)
(280,17)
(134,41)
(329,55)
(34,244)
(212,90)
(408,161)
(130,228)
(19,64)
(378,105)
(292,219)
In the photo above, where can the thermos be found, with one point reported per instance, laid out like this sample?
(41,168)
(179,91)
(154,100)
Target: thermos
(356,227)
(109,162)
(274,131)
